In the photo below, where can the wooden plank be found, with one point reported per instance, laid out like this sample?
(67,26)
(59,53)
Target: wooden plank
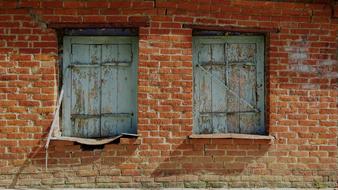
(85,99)
(260,70)
(204,83)
(125,53)
(94,54)
(218,92)
(125,89)
(109,90)
(80,54)
(109,53)
(85,92)
(241,52)
(247,53)
(134,83)
(118,90)
(248,121)
(66,103)
(232,101)
(232,28)
(204,53)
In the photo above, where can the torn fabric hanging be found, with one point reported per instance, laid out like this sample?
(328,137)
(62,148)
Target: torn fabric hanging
(55,132)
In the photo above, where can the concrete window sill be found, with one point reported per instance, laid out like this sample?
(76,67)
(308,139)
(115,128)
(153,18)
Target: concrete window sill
(231,136)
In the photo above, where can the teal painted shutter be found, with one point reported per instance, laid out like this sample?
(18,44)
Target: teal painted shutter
(228,85)
(100,86)
(117,89)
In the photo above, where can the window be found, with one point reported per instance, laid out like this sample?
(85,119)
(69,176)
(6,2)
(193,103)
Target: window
(229,85)
(99,79)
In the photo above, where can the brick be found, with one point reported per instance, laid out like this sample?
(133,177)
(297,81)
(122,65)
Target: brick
(72,4)
(51,4)
(97,4)
(301,104)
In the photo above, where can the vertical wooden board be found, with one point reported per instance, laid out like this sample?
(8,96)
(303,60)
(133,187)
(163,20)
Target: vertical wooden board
(123,103)
(238,52)
(80,54)
(205,124)
(109,53)
(217,53)
(94,54)
(86,128)
(248,121)
(232,100)
(204,103)
(109,89)
(133,82)
(108,126)
(124,125)
(78,91)
(85,98)
(109,98)
(218,91)
(204,53)
(219,123)
(205,99)
(125,100)
(85,90)
(117,92)
(260,76)
(248,85)
(125,53)
(219,99)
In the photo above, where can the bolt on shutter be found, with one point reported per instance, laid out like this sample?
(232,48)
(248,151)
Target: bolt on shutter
(228,85)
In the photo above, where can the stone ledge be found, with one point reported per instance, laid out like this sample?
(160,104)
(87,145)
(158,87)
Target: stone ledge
(231,136)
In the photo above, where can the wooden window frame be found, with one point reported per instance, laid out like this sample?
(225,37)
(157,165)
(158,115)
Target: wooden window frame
(94,40)
(119,29)
(263,113)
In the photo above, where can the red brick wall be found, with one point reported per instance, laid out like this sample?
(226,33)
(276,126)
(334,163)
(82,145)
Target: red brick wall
(301,98)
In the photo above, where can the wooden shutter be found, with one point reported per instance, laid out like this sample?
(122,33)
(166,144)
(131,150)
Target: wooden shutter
(100,86)
(228,85)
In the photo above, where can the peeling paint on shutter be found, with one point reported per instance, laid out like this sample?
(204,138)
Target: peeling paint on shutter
(101,87)
(238,63)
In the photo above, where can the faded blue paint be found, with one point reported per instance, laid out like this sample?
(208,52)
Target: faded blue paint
(100,86)
(238,63)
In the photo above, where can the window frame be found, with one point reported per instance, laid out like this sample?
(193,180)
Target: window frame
(65,114)
(261,52)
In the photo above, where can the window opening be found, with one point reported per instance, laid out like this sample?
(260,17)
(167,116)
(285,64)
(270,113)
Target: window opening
(229,85)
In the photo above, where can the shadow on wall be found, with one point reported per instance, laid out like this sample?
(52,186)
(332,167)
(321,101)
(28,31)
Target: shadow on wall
(67,160)
(213,156)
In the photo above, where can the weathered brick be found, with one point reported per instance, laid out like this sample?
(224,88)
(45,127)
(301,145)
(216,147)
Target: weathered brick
(301,100)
